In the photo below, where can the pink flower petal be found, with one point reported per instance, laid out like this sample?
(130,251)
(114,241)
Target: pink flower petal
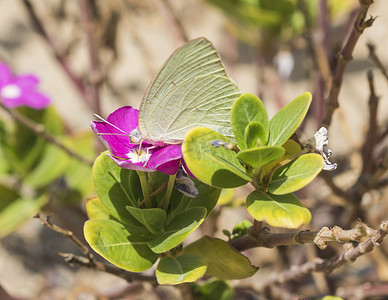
(35,99)
(125,118)
(5,74)
(127,164)
(27,81)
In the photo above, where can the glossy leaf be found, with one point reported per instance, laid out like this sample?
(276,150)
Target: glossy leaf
(287,120)
(213,289)
(112,187)
(207,198)
(185,268)
(178,229)
(153,218)
(291,148)
(120,245)
(278,210)
(95,209)
(260,156)
(296,174)
(214,166)
(255,135)
(246,109)
(223,261)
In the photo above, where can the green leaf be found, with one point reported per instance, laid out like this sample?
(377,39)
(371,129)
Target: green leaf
(112,185)
(278,210)
(287,120)
(255,135)
(241,229)
(207,198)
(53,163)
(260,156)
(296,174)
(120,245)
(185,268)
(223,261)
(14,210)
(178,229)
(217,167)
(78,176)
(246,109)
(95,209)
(153,218)
(213,289)
(291,148)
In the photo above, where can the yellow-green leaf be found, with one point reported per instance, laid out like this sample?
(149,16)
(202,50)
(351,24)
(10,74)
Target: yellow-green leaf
(185,268)
(296,174)
(278,210)
(124,247)
(223,261)
(214,166)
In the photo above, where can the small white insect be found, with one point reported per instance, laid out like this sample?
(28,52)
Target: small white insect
(319,142)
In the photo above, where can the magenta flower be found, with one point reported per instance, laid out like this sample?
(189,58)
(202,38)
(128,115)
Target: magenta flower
(136,156)
(20,90)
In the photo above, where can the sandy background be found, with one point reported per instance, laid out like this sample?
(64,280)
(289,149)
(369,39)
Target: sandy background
(29,265)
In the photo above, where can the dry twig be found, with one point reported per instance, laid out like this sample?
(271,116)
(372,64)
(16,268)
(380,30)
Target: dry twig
(260,237)
(57,53)
(375,59)
(95,74)
(344,57)
(330,264)
(89,260)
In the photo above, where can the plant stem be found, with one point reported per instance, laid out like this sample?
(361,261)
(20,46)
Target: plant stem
(95,74)
(167,196)
(144,187)
(344,57)
(39,130)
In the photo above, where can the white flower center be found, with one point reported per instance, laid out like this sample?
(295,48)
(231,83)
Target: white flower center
(138,156)
(10,91)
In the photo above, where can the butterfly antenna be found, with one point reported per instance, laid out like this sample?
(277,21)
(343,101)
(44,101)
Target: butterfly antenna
(114,126)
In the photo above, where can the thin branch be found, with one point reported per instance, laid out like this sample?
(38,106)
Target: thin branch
(365,291)
(68,234)
(327,177)
(344,57)
(329,265)
(375,59)
(95,74)
(58,55)
(89,260)
(72,259)
(39,130)
(176,20)
(261,237)
(370,141)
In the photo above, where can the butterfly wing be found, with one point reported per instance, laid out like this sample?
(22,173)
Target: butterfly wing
(192,89)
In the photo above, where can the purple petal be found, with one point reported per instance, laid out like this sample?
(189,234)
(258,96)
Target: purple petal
(166,160)
(127,164)
(28,81)
(187,169)
(35,99)
(117,142)
(13,102)
(5,74)
(169,168)
(126,118)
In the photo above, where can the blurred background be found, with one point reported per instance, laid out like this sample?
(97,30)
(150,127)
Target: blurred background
(94,56)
